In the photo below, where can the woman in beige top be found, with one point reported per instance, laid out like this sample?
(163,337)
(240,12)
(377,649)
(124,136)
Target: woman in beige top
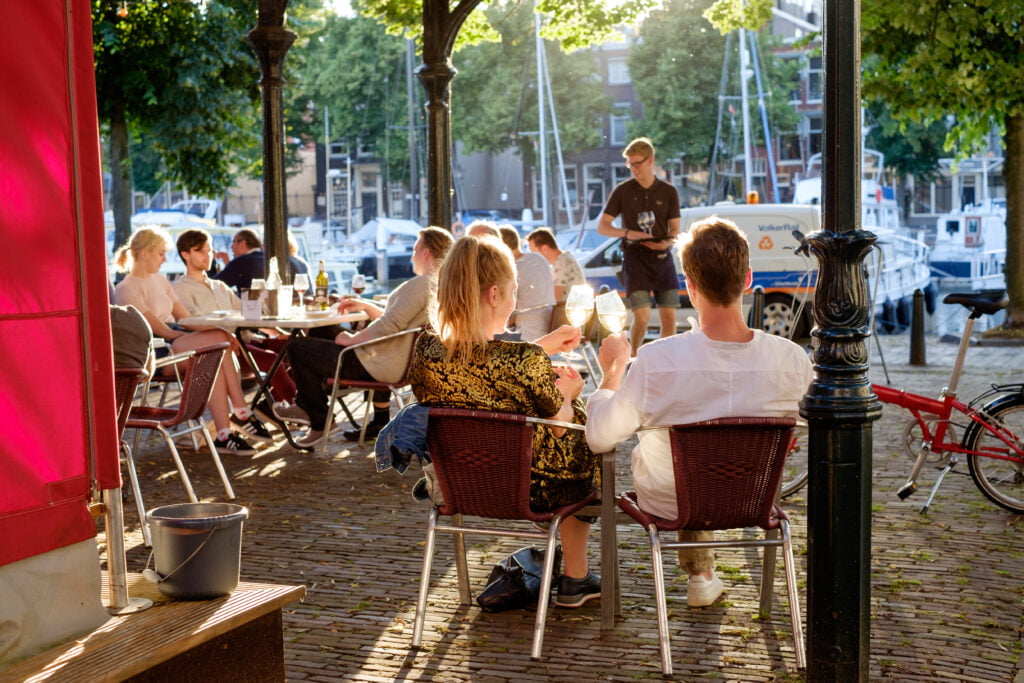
(149,291)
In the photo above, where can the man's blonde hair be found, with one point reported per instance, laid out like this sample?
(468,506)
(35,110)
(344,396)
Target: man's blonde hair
(474,264)
(716,260)
(639,147)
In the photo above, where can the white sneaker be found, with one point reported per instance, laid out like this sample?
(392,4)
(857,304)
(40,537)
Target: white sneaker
(701,592)
(310,439)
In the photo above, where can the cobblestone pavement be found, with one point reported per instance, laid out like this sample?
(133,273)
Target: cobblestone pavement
(945,601)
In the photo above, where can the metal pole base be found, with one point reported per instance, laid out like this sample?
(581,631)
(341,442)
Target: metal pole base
(134,605)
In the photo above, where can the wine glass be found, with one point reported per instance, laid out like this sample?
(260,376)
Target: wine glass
(301,284)
(358,283)
(645,221)
(611,312)
(579,306)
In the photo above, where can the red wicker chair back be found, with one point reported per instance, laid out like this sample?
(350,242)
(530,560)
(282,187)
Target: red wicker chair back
(197,385)
(482,462)
(728,472)
(125,382)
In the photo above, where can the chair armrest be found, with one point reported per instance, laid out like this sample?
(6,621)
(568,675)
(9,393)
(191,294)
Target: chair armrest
(174,358)
(393,335)
(555,423)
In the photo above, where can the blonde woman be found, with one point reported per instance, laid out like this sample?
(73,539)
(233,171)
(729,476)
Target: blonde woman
(463,366)
(149,291)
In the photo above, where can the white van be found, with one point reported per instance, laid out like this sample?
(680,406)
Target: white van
(787,278)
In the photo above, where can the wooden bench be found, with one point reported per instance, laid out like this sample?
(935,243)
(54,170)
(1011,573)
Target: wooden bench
(238,637)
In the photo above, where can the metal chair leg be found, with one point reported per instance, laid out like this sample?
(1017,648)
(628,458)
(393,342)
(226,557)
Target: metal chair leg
(220,465)
(461,566)
(544,597)
(421,599)
(794,599)
(133,478)
(659,598)
(768,575)
(180,465)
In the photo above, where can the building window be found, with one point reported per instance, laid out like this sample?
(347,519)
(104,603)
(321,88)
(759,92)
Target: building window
(619,120)
(593,179)
(814,78)
(620,174)
(791,67)
(618,71)
(789,147)
(813,134)
(571,185)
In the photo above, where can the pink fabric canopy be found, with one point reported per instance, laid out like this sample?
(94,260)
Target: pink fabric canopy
(56,375)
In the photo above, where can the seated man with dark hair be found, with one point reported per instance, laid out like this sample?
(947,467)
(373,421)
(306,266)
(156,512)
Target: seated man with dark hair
(721,369)
(248,262)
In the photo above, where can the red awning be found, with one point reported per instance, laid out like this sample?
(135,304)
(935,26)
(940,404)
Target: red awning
(56,376)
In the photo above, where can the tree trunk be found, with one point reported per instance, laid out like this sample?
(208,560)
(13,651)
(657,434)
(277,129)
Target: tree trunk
(1013,172)
(120,175)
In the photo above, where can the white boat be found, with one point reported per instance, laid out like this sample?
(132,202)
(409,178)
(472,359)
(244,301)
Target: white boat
(970,247)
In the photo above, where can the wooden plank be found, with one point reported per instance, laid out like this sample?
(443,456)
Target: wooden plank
(129,645)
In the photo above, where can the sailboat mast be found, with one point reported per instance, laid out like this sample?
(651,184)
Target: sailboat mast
(410,93)
(543,160)
(748,182)
(563,183)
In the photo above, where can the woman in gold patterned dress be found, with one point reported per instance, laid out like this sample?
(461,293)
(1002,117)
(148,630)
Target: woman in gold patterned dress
(463,366)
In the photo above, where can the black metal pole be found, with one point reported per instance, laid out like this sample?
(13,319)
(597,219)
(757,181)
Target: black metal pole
(917,349)
(441,25)
(270,41)
(840,405)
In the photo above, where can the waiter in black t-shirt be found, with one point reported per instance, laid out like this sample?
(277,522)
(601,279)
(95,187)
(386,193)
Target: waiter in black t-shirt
(649,208)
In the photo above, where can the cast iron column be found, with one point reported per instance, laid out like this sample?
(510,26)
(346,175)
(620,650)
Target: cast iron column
(840,404)
(270,41)
(440,27)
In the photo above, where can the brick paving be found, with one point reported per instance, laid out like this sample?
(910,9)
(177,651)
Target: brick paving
(946,587)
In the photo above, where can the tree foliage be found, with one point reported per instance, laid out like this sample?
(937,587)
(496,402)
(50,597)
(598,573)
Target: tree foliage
(676,68)
(357,71)
(931,60)
(496,98)
(187,82)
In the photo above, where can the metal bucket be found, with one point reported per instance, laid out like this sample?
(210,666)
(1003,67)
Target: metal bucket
(197,548)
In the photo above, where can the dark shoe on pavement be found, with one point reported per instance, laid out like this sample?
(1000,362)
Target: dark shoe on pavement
(291,413)
(252,428)
(234,445)
(310,438)
(264,412)
(575,592)
(372,430)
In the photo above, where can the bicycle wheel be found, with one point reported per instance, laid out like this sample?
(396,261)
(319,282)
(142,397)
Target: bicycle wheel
(794,475)
(1000,480)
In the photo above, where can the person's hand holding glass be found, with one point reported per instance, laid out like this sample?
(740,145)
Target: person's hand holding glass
(579,306)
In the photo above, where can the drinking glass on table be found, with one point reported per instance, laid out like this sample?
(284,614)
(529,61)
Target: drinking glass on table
(358,283)
(301,284)
(579,306)
(611,312)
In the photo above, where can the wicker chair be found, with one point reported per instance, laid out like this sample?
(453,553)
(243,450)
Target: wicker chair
(342,387)
(126,381)
(727,475)
(482,463)
(197,386)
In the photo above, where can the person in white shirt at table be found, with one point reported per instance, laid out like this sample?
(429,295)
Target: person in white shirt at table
(722,369)
(201,295)
(148,290)
(535,293)
(565,269)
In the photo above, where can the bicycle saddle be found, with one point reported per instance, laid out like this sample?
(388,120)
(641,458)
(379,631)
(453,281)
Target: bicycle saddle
(987,302)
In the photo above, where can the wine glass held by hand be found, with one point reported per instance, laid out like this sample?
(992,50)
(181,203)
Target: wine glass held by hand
(579,306)
(611,312)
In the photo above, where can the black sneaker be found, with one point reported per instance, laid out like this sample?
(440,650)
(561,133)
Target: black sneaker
(372,430)
(252,428)
(234,445)
(575,592)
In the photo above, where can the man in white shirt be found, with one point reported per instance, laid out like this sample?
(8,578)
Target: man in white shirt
(722,369)
(201,294)
(535,293)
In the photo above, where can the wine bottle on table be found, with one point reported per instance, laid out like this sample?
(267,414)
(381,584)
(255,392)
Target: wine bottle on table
(320,297)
